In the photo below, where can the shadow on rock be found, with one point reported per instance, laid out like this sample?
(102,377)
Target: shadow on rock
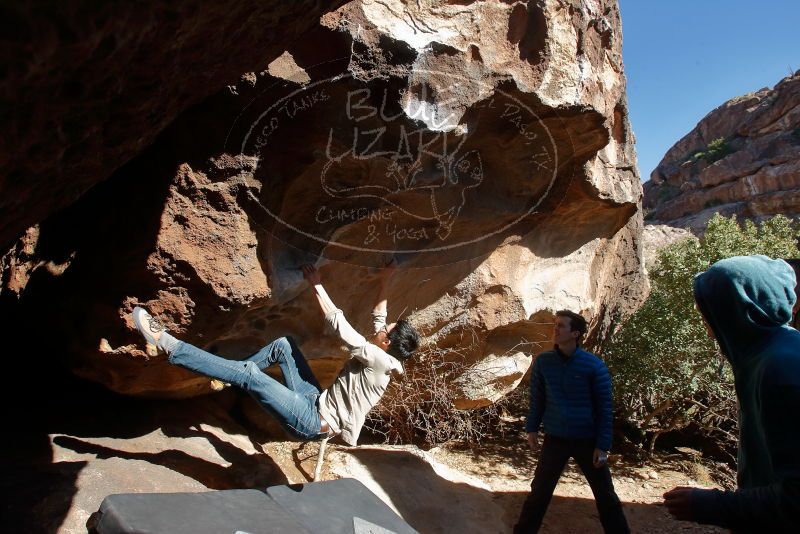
(433,498)
(37,498)
(246,470)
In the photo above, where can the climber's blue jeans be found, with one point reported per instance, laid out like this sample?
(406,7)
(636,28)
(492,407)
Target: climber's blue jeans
(293,404)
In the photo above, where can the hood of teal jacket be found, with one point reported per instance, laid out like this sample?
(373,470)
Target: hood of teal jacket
(744,299)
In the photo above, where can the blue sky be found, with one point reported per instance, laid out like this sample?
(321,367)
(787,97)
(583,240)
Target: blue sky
(683,59)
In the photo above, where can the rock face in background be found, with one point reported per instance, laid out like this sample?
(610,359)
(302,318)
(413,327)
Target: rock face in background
(743,158)
(485,146)
(658,236)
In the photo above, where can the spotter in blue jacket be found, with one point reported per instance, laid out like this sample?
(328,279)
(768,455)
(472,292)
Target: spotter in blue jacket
(572,396)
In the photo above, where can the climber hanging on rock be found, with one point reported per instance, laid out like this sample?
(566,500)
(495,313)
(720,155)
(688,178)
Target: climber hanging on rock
(299,403)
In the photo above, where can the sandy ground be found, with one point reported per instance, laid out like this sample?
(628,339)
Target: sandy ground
(480,490)
(57,472)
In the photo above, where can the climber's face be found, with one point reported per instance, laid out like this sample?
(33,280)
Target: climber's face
(381,337)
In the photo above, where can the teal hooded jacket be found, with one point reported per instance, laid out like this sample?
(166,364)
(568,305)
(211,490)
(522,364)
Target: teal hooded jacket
(747,301)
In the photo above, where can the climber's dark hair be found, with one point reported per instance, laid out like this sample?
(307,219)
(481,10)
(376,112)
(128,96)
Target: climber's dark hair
(404,340)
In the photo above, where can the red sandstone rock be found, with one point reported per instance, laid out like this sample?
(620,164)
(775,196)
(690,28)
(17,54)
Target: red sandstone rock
(757,177)
(86,88)
(519,197)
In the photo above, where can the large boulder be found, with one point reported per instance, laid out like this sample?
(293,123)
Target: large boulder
(484,146)
(741,159)
(86,86)
(659,236)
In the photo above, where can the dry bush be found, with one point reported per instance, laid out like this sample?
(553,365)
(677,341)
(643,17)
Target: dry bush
(418,408)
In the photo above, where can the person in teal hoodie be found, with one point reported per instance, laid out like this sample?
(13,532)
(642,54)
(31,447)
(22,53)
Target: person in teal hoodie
(747,303)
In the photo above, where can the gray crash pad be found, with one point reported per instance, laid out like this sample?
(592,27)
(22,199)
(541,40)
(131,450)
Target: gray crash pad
(342,506)
(339,506)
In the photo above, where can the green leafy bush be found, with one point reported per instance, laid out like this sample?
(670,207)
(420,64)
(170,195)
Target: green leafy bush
(716,150)
(668,373)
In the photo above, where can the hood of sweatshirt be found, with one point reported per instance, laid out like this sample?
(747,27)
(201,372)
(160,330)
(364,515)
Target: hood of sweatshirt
(744,299)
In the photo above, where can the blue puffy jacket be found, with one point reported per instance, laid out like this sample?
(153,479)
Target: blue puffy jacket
(572,394)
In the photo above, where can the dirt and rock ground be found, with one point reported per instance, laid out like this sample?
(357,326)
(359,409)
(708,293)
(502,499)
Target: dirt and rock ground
(480,489)
(69,455)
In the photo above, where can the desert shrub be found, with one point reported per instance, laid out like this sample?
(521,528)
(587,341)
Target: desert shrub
(716,150)
(418,408)
(668,373)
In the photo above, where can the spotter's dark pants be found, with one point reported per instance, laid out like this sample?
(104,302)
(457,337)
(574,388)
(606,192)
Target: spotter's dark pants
(554,456)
